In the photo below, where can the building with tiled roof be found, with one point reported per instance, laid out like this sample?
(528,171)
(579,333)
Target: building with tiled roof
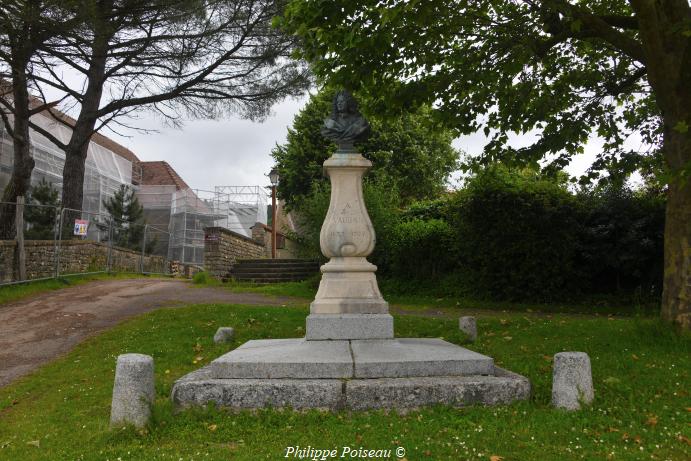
(160,173)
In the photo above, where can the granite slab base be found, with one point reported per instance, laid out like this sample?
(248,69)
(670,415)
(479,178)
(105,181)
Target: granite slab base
(385,358)
(200,389)
(359,374)
(286,358)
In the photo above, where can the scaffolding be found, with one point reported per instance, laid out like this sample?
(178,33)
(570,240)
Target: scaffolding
(187,212)
(183,213)
(104,172)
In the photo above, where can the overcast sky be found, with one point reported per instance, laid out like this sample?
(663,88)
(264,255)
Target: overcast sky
(235,152)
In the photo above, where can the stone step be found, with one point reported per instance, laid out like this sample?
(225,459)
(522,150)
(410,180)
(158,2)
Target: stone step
(276,261)
(200,389)
(274,270)
(254,275)
(371,358)
(270,270)
(263,280)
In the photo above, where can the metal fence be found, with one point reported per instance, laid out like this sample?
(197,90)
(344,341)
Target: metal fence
(54,242)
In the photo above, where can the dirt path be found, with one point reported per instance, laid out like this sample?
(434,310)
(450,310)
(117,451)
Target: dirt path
(36,330)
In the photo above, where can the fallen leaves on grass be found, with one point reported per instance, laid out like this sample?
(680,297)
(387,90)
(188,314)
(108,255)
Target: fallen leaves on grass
(496,458)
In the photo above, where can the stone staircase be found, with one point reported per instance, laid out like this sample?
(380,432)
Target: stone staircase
(273,270)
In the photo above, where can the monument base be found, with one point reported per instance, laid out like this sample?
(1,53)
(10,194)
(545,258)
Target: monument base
(349,286)
(359,374)
(199,389)
(349,326)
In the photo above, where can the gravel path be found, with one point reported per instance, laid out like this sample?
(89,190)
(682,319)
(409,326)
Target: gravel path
(38,329)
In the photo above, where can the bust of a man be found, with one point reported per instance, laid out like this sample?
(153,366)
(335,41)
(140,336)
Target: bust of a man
(345,125)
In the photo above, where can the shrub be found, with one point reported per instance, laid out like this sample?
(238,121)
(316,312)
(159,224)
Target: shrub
(422,249)
(621,240)
(515,233)
(200,278)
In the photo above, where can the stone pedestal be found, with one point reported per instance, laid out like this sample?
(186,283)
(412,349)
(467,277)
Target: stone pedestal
(348,304)
(349,357)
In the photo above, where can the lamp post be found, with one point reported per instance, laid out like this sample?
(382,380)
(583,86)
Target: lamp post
(273,177)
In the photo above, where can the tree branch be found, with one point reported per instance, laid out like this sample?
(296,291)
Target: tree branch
(598,27)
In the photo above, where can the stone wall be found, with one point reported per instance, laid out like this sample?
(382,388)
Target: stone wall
(261,233)
(222,247)
(76,256)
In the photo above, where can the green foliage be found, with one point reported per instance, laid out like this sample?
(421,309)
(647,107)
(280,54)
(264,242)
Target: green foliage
(512,235)
(127,216)
(437,208)
(557,68)
(516,235)
(422,249)
(41,220)
(200,278)
(409,152)
(622,239)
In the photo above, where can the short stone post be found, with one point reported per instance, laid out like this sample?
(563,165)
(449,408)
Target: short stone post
(572,380)
(133,391)
(224,335)
(468,325)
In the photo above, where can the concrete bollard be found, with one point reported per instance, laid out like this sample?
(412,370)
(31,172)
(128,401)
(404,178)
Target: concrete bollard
(224,335)
(468,325)
(572,380)
(133,391)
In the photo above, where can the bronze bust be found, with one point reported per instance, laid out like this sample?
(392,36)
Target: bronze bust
(345,125)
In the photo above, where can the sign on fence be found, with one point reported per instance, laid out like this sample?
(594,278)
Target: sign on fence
(80,227)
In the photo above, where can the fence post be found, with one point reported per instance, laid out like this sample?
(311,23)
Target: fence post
(143,248)
(58,243)
(109,259)
(19,222)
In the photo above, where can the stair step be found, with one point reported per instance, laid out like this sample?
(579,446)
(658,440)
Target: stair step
(276,261)
(242,269)
(272,274)
(274,270)
(269,279)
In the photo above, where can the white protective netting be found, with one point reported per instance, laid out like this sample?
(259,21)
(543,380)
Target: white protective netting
(236,208)
(105,170)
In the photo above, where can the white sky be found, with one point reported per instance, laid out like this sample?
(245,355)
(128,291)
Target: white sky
(235,152)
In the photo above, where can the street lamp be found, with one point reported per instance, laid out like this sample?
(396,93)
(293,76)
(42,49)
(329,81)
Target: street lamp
(273,177)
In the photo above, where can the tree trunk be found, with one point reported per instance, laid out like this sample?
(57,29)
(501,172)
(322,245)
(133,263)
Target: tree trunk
(78,146)
(73,175)
(676,294)
(23,161)
(668,63)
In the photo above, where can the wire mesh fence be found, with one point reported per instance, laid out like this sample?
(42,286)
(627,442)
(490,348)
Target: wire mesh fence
(55,242)
(39,230)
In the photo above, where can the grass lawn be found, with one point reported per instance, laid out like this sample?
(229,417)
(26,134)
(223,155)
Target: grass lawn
(450,304)
(15,292)
(641,409)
